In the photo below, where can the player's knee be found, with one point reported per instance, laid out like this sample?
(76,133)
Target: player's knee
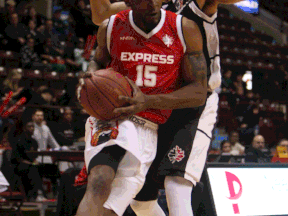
(176,180)
(100,179)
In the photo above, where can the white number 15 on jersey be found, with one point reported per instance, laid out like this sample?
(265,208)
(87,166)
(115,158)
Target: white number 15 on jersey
(149,75)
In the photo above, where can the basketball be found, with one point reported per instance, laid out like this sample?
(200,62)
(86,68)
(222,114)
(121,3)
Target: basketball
(99,95)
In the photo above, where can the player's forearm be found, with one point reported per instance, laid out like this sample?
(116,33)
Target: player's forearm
(194,72)
(103,9)
(187,97)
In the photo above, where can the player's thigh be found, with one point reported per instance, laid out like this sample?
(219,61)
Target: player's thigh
(103,167)
(151,186)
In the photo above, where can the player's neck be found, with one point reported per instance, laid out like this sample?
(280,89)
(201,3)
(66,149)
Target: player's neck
(210,7)
(145,25)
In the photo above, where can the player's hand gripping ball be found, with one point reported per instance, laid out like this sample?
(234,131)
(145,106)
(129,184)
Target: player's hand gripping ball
(99,93)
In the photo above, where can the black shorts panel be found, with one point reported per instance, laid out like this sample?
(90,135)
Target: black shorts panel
(180,129)
(110,156)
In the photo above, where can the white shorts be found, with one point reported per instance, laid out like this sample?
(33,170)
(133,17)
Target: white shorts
(138,137)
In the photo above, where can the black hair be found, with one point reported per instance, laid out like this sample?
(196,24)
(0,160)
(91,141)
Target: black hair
(223,142)
(37,110)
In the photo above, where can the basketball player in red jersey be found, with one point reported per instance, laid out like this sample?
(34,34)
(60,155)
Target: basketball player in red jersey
(184,140)
(153,48)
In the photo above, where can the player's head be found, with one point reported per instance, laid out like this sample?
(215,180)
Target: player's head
(225,146)
(149,10)
(38,116)
(258,142)
(29,128)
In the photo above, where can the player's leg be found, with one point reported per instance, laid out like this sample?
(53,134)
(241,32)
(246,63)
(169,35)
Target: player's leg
(130,185)
(183,164)
(101,172)
(145,203)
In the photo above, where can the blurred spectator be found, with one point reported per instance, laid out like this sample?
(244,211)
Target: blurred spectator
(35,34)
(70,56)
(78,55)
(26,165)
(68,98)
(45,139)
(53,56)
(227,83)
(47,98)
(65,129)
(16,33)
(236,147)
(42,132)
(48,33)
(11,83)
(239,85)
(226,150)
(250,99)
(283,142)
(20,89)
(82,16)
(59,26)
(35,17)
(263,147)
(254,153)
(29,57)
(6,16)
(250,124)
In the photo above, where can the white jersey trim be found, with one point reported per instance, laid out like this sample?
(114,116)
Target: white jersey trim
(151,33)
(201,14)
(109,31)
(180,31)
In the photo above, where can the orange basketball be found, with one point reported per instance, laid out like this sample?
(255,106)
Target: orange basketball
(99,95)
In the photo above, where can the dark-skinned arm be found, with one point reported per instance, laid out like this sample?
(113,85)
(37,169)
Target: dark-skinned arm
(103,9)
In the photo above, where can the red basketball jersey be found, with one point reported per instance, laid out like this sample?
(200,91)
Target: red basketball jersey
(151,60)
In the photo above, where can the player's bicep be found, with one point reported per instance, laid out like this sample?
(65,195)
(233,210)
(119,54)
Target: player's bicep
(103,9)
(194,66)
(102,56)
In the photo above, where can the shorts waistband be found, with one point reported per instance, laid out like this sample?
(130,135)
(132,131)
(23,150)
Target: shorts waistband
(143,122)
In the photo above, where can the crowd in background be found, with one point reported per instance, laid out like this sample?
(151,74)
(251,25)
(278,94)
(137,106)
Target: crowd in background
(58,44)
(253,121)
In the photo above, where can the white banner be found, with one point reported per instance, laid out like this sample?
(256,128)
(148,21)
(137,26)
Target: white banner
(3,183)
(249,191)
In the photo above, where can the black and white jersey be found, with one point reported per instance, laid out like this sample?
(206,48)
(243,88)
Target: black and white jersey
(208,27)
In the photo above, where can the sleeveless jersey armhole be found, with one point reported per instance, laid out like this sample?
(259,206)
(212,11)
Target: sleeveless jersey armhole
(109,31)
(180,31)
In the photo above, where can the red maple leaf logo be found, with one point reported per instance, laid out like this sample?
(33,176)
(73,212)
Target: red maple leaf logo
(176,154)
